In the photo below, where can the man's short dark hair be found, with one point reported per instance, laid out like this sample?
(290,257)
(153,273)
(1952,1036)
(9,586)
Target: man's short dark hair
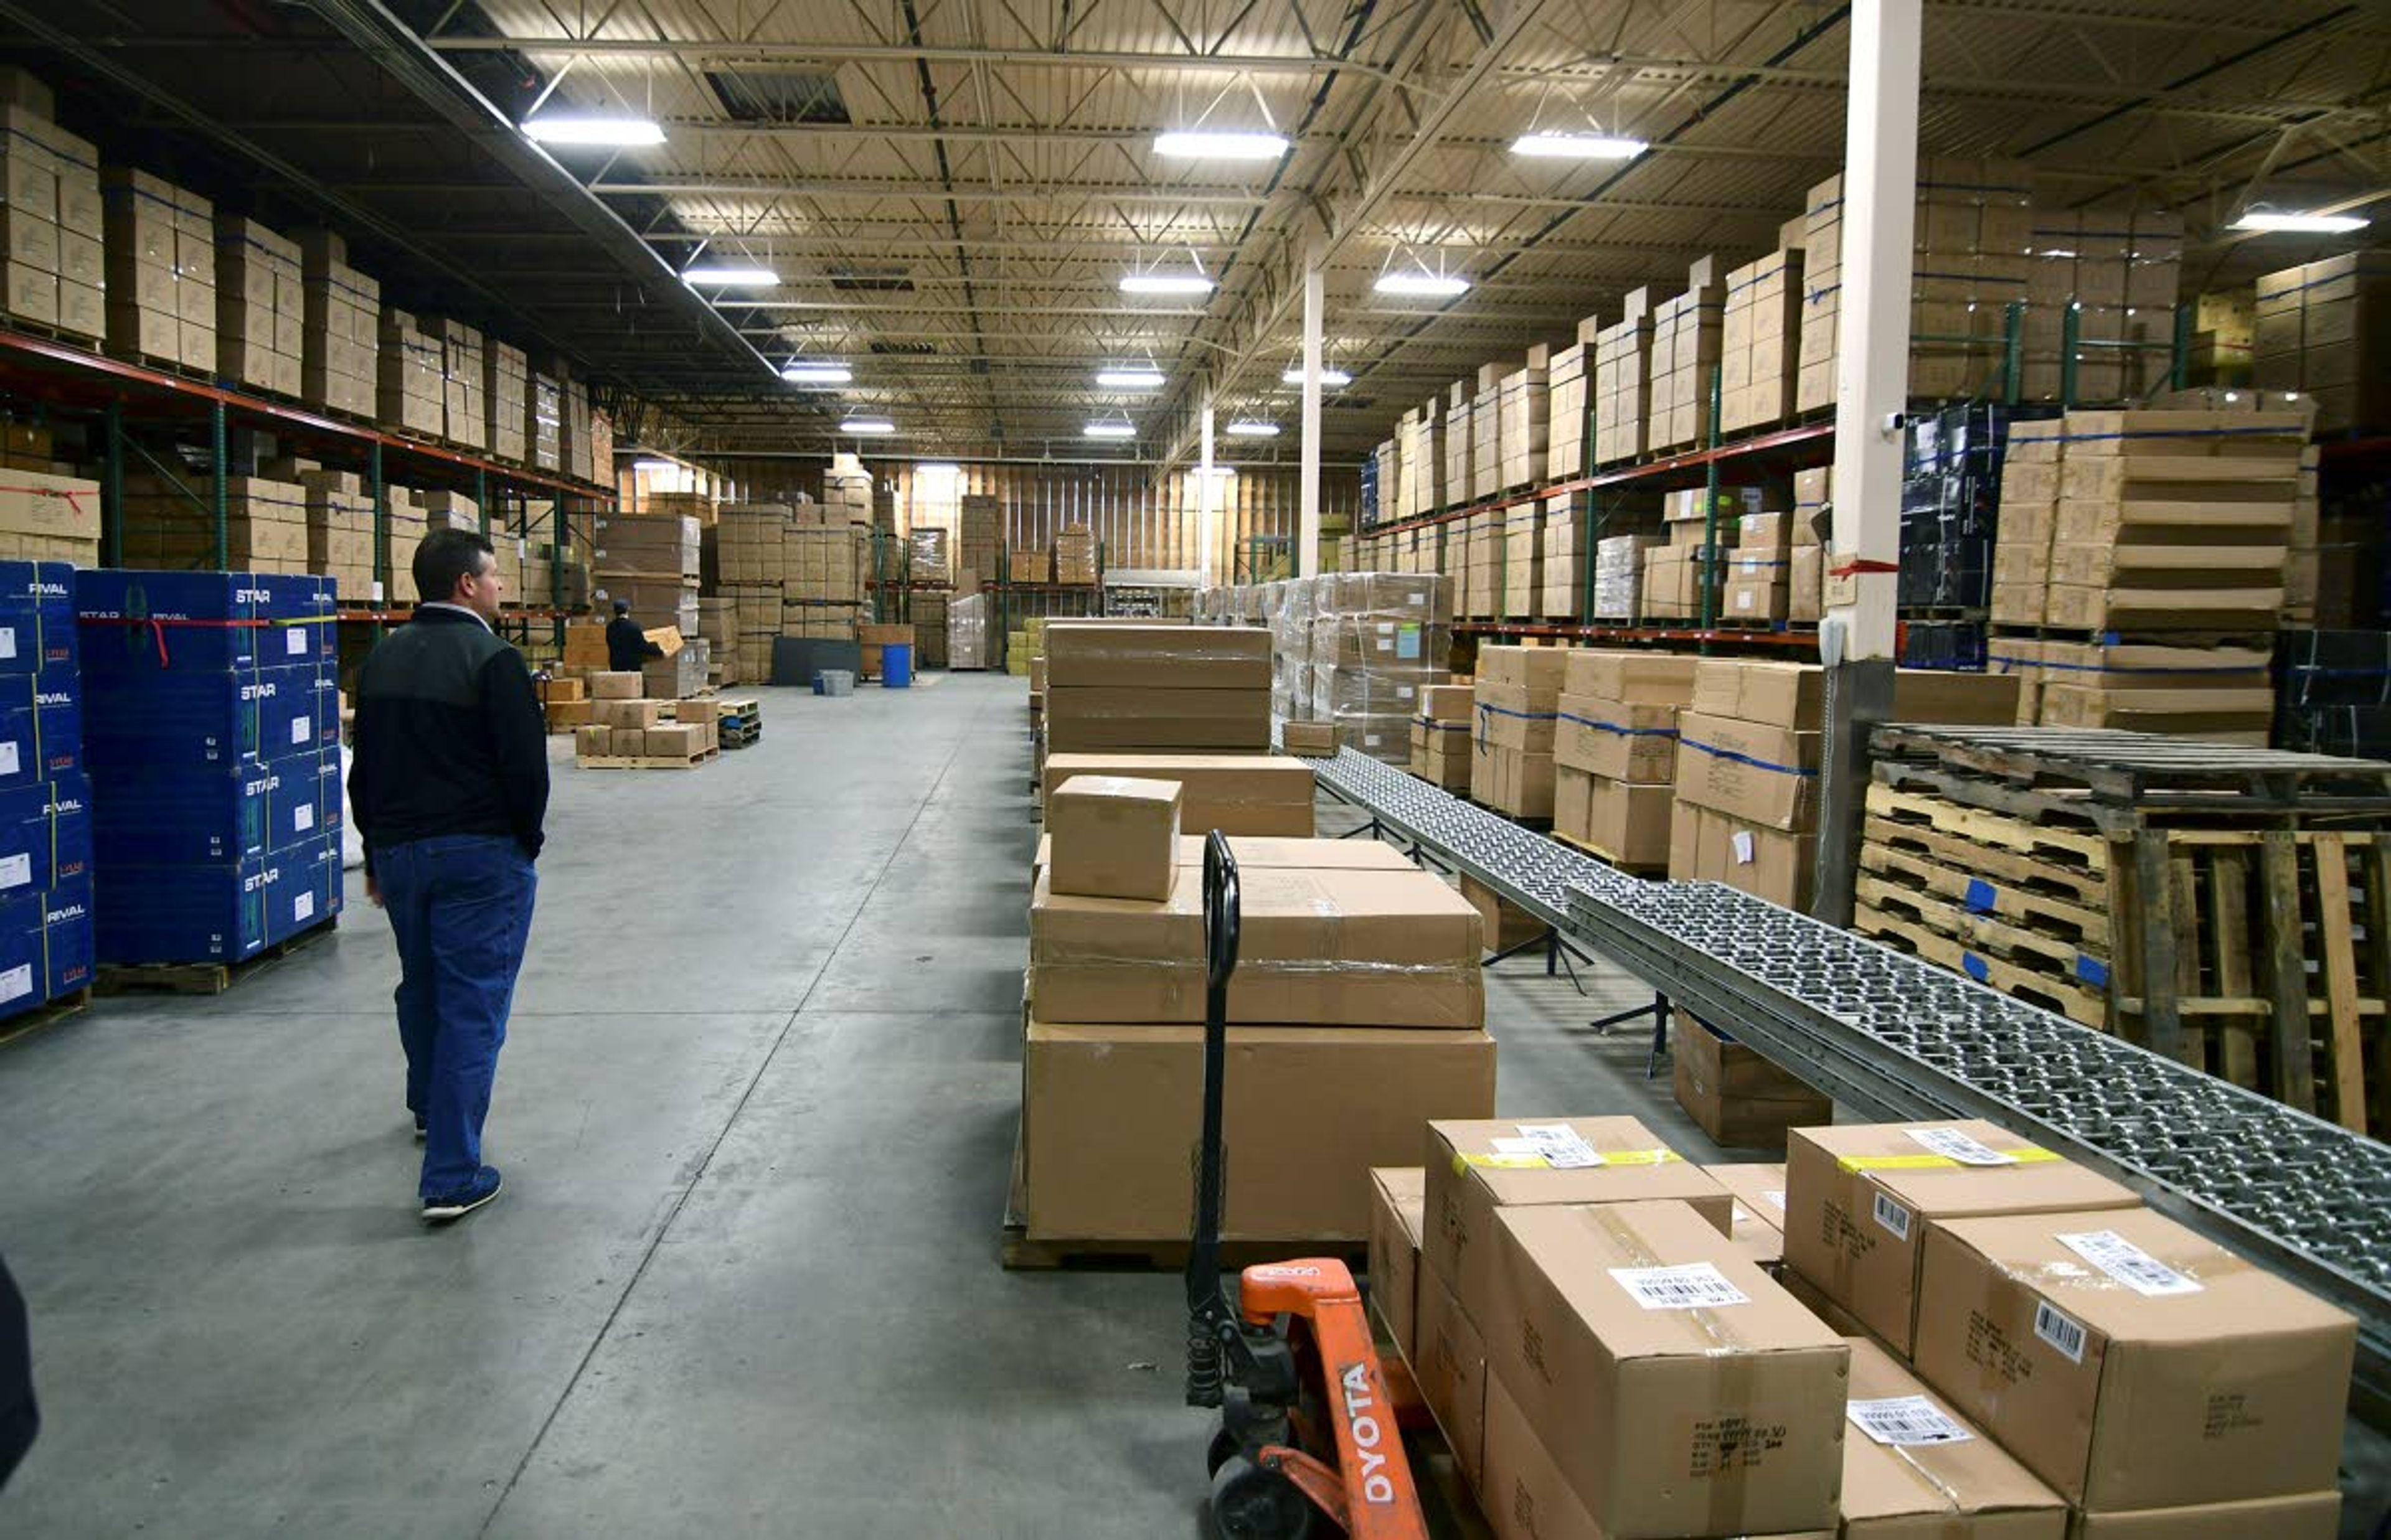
(622,607)
(445,555)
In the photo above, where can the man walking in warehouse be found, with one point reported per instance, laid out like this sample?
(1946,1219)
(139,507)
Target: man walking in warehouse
(628,647)
(449,790)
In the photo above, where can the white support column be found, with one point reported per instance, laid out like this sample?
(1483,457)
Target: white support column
(1207,499)
(1307,538)
(1872,362)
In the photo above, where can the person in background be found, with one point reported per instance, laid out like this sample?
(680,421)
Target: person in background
(18,1418)
(628,647)
(450,791)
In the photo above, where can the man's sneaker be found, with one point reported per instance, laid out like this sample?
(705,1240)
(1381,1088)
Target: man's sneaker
(423,1130)
(457,1205)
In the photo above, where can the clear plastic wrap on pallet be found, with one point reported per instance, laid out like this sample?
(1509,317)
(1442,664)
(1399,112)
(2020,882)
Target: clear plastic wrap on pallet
(1618,575)
(968,631)
(1376,640)
(1291,650)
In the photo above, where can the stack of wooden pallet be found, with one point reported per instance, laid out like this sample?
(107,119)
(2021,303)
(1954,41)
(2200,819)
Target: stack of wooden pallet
(2226,906)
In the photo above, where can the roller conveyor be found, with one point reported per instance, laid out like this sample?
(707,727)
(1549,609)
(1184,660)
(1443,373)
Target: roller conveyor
(1896,1037)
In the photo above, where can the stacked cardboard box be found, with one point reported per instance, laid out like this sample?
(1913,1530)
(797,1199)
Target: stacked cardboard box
(464,383)
(1486,427)
(1620,564)
(1560,566)
(2306,561)
(1075,555)
(412,393)
(1157,688)
(1687,334)
(47,518)
(1623,356)
(967,633)
(1742,1101)
(46,808)
(750,550)
(2117,271)
(652,563)
(1237,793)
(578,450)
(846,490)
(1777,572)
(1677,575)
(339,346)
(1386,479)
(1822,295)
(1761,342)
(1460,482)
(1517,707)
(261,307)
(1354,1014)
(340,534)
(161,260)
(544,422)
(169,525)
(1030,565)
(1523,418)
(1615,754)
(1570,396)
(1973,225)
(1441,749)
(927,549)
(1422,444)
(980,533)
(52,223)
(630,730)
(2222,693)
(2028,516)
(681,672)
(506,381)
(597,465)
(827,562)
(1289,607)
(407,523)
(2324,330)
(215,764)
(1379,639)
(1521,586)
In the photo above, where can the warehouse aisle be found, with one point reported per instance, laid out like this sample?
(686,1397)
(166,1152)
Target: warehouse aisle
(756,1116)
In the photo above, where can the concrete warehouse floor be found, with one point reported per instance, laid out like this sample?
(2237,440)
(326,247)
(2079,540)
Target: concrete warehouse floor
(756,1118)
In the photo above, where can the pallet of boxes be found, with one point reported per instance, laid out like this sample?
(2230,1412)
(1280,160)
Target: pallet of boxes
(1379,640)
(1356,1012)
(2139,572)
(652,563)
(1441,736)
(636,724)
(1518,710)
(160,259)
(1905,1331)
(57,276)
(1615,754)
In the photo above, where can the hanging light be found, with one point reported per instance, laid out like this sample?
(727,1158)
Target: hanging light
(608,132)
(1441,286)
(1249,427)
(817,374)
(2296,224)
(1129,380)
(867,426)
(1165,283)
(731,278)
(1220,144)
(1109,430)
(1327,377)
(1549,146)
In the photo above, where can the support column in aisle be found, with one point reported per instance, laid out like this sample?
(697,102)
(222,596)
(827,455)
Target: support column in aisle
(1208,500)
(1307,534)
(1857,642)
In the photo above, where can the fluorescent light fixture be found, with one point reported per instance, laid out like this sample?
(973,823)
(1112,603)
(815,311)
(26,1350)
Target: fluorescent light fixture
(1442,285)
(731,278)
(1165,283)
(1327,377)
(817,374)
(2305,224)
(1220,144)
(612,133)
(1578,147)
(1109,430)
(1129,380)
(655,468)
(867,425)
(1248,428)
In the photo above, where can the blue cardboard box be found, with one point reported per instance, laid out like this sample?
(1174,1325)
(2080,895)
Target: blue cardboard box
(46,946)
(46,835)
(214,812)
(185,719)
(222,912)
(157,623)
(41,726)
(37,616)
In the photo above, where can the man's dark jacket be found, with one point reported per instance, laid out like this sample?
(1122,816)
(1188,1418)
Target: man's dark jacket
(628,647)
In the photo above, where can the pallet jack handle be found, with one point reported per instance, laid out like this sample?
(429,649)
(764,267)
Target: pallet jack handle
(1211,1320)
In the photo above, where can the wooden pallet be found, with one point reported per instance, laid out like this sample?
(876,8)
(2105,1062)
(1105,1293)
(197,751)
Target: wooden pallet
(736,734)
(2080,923)
(2077,1003)
(2063,849)
(203,978)
(648,762)
(2028,949)
(2016,870)
(728,707)
(23,1026)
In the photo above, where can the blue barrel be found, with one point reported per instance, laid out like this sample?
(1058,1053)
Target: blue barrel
(896,666)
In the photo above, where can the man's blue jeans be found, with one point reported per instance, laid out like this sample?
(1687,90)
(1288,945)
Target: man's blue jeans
(460,906)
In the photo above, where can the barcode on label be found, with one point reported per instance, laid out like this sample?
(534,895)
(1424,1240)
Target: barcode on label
(1906,1419)
(1893,1216)
(2061,1331)
(1963,1148)
(1563,1148)
(1693,1286)
(2128,1263)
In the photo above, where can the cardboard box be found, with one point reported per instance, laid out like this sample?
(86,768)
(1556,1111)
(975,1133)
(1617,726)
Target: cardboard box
(1735,1094)
(1258,850)
(1114,837)
(628,715)
(1398,1203)
(1705,846)
(1310,740)
(1697,1396)
(1083,719)
(1619,740)
(616,686)
(1862,1199)
(1405,949)
(1759,1191)
(1748,770)
(1782,695)
(1627,822)
(1637,678)
(1157,657)
(592,742)
(1110,1114)
(1913,1469)
(1512,780)
(2130,1362)
(1234,793)
(1533,668)
(2310,1516)
(1475,1169)
(1449,1368)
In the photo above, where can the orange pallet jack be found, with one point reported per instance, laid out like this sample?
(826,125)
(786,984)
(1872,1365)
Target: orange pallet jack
(1307,1428)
